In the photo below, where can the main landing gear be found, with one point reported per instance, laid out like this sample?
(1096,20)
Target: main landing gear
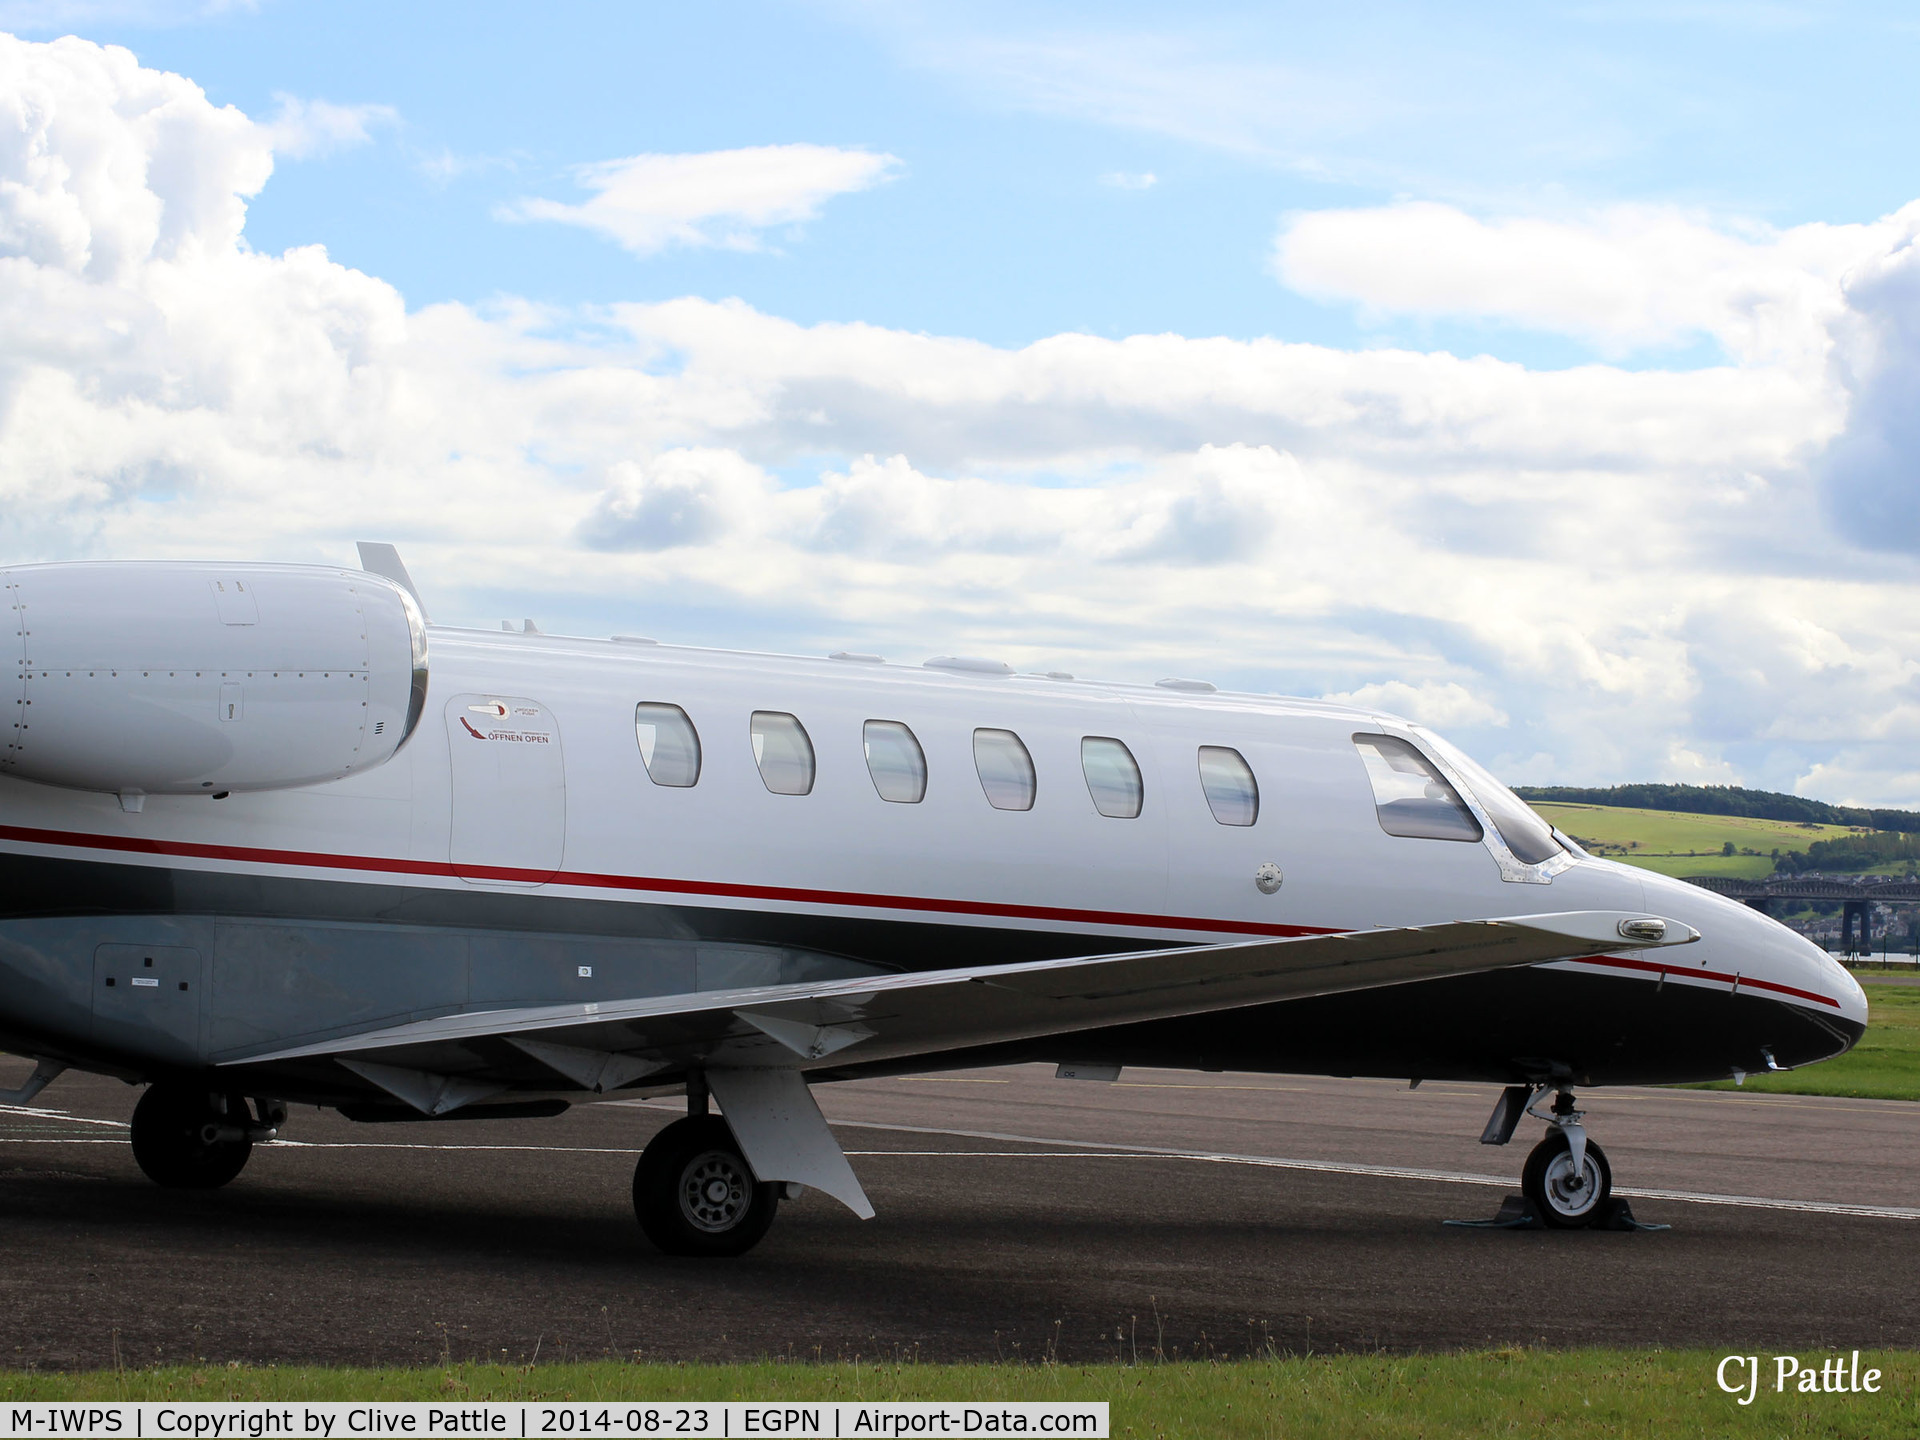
(693,1190)
(1566,1178)
(189,1138)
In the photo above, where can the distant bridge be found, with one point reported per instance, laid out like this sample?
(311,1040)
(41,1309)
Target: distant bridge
(1857,898)
(1868,889)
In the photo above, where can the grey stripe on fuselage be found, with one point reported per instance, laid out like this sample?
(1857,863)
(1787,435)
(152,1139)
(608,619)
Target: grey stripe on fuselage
(280,960)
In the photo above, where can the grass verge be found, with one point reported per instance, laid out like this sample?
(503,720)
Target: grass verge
(1885,1065)
(1497,1392)
(1681,844)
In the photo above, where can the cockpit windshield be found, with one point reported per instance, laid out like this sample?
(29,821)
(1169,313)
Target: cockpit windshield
(1528,836)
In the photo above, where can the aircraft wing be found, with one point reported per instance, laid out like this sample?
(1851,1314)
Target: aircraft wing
(441,1064)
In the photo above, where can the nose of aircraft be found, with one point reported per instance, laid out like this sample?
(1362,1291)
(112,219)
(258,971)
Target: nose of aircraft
(1764,956)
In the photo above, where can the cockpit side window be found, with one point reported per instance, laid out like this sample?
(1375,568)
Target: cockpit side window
(1411,797)
(1528,836)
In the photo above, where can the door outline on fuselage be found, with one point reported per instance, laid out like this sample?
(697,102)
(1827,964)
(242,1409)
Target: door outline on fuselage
(507,805)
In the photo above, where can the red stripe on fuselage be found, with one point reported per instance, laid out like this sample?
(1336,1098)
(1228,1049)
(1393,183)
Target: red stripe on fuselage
(1648,967)
(383,865)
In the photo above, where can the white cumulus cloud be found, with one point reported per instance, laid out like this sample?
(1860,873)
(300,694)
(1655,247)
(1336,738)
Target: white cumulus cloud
(302,129)
(1586,574)
(1441,705)
(722,197)
(1624,278)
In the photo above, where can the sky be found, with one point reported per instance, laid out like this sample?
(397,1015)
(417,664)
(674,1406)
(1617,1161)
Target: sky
(1547,374)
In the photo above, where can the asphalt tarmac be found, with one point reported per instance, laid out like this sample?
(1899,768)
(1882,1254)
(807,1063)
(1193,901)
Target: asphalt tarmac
(1020,1216)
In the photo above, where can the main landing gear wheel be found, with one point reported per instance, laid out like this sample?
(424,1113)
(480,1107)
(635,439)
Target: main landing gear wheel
(1561,1198)
(182,1136)
(695,1194)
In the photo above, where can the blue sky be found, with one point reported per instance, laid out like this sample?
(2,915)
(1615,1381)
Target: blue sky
(999,226)
(1543,373)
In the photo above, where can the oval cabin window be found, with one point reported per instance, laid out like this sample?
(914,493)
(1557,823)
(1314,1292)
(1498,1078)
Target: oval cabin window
(1113,777)
(896,762)
(1227,780)
(1006,769)
(669,745)
(783,752)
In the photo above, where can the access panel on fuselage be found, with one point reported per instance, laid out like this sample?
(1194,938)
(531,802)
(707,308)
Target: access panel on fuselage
(509,790)
(146,1001)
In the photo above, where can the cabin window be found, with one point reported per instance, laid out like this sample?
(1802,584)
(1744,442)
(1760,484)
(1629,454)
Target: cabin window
(1113,778)
(896,762)
(1232,793)
(1410,796)
(1006,769)
(669,745)
(1528,836)
(783,752)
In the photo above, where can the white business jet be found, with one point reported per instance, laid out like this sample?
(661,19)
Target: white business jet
(270,837)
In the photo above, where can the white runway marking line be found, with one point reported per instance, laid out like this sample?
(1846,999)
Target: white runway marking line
(1074,1150)
(27,1112)
(1089,1151)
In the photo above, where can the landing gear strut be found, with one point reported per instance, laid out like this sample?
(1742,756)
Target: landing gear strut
(694,1192)
(188,1138)
(1566,1178)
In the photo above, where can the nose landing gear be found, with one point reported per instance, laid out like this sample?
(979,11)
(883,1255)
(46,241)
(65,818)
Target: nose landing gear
(1566,1177)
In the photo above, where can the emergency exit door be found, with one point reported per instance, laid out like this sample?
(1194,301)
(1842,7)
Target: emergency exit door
(509,790)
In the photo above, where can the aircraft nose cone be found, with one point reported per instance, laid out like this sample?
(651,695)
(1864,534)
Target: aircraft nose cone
(1785,958)
(1764,956)
(1853,1000)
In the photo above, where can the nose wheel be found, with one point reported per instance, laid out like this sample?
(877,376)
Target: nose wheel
(1566,1179)
(1567,1193)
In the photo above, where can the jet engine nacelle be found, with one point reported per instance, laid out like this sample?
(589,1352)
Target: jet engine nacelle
(177,678)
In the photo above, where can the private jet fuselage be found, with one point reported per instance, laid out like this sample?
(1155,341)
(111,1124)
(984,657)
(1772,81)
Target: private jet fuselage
(251,815)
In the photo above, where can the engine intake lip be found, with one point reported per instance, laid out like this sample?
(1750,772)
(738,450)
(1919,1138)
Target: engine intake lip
(417,633)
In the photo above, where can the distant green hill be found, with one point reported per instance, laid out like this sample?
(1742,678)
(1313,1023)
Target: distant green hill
(1739,847)
(1877,850)
(1725,800)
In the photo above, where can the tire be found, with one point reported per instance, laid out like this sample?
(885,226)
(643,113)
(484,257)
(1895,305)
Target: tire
(695,1194)
(1547,1183)
(168,1145)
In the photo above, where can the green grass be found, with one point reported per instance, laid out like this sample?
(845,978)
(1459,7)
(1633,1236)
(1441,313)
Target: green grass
(1885,1065)
(1562,1394)
(1679,844)
(1726,867)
